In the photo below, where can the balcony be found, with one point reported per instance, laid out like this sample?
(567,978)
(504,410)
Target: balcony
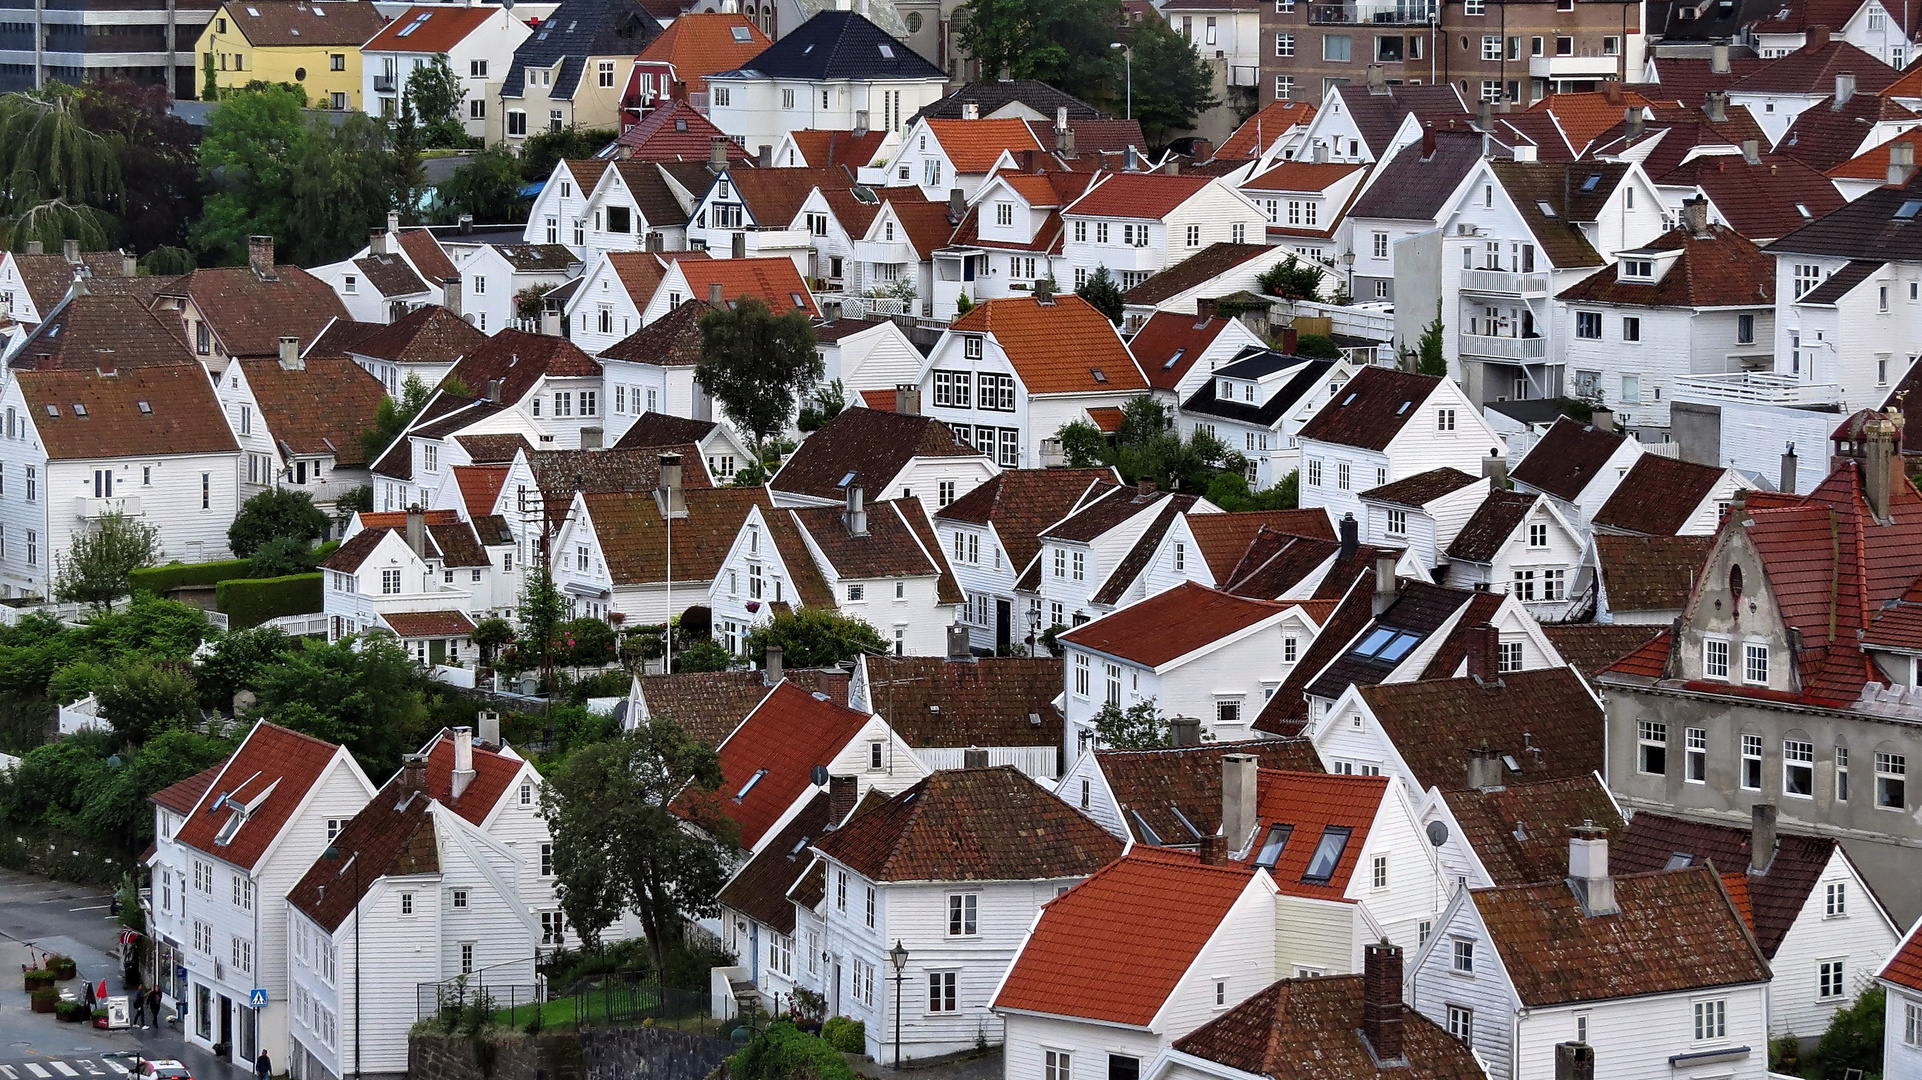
(1756,388)
(1504,348)
(384,84)
(1244,75)
(1504,283)
(1416,14)
(1573,67)
(90,509)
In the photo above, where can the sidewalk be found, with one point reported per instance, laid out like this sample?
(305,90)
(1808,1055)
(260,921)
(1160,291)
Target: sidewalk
(967,1065)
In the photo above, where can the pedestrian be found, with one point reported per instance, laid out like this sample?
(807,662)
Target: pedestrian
(263,1066)
(153,1008)
(139,1004)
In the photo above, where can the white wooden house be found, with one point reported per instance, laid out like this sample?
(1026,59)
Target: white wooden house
(1519,543)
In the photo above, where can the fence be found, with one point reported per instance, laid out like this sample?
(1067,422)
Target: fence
(510,1002)
(620,999)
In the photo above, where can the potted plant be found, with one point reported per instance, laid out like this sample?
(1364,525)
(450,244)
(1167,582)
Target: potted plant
(63,967)
(100,1018)
(36,978)
(72,1012)
(45,998)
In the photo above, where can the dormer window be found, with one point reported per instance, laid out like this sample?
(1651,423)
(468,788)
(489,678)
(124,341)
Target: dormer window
(971,347)
(1638,268)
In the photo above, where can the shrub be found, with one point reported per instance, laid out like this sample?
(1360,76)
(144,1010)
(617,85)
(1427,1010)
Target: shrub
(281,556)
(784,1052)
(73,1012)
(1854,1037)
(252,601)
(601,684)
(846,1035)
(704,656)
(160,580)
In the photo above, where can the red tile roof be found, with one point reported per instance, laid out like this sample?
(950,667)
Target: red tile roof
(1168,344)
(269,775)
(1022,503)
(760,887)
(676,131)
(1873,163)
(1074,964)
(494,773)
(973,146)
(1774,898)
(1719,268)
(1812,69)
(1138,195)
(140,411)
(1312,1029)
(708,706)
(1172,624)
(768,761)
(439,29)
(1301,176)
(1259,132)
(1224,539)
(1520,831)
(1905,967)
(1311,804)
(275,23)
(1171,795)
(775,281)
(820,147)
(1584,116)
(701,43)
(480,487)
(640,272)
(182,797)
(321,407)
(1062,347)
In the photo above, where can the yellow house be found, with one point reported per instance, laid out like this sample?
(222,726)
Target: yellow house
(315,45)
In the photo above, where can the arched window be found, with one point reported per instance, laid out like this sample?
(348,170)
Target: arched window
(1735,581)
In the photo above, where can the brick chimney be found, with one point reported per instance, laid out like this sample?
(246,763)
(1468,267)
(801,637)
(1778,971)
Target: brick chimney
(1290,340)
(1816,38)
(260,257)
(1213,850)
(1484,646)
(1883,466)
(1761,837)
(1381,1006)
(842,793)
(1588,870)
(1239,776)
(1695,222)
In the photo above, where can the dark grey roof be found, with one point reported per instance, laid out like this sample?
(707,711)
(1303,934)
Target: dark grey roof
(577,30)
(1203,401)
(1871,225)
(839,45)
(1378,115)
(1412,186)
(991,96)
(1839,284)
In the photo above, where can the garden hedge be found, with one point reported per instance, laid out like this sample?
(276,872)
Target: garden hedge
(252,601)
(161,580)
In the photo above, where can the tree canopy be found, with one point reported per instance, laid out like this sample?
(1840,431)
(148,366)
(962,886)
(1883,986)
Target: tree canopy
(1065,43)
(1172,83)
(393,416)
(276,513)
(815,637)
(1147,447)
(1103,293)
(435,93)
(753,362)
(96,566)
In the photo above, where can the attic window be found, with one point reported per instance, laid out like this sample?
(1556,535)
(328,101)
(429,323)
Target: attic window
(1099,375)
(1327,856)
(1513,765)
(1547,210)
(79,409)
(1679,860)
(1589,184)
(1175,359)
(1274,845)
(53,410)
(749,786)
(680,123)
(796,297)
(254,11)
(1347,401)
(1803,209)
(887,51)
(741,35)
(1403,408)
(146,408)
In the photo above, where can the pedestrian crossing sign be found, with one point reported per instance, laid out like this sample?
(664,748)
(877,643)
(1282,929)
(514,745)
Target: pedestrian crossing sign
(258,998)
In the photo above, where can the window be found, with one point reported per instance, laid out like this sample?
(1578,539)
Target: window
(547,860)
(605,73)
(1334,48)
(1755,662)
(871,905)
(1524,587)
(1398,523)
(941,995)
(1327,856)
(516,123)
(1057,1065)
(1538,535)
(1380,877)
(1284,46)
(1891,772)
(1082,673)
(1285,84)
(1745,329)
(1752,762)
(962,909)
(1227,713)
(1342,475)
(857,591)
(1509,656)
(1798,768)
(1841,774)
(1080,566)
(1714,659)
(1588,324)
(1835,899)
(1194,236)
(1653,738)
(1444,419)
(1711,1019)
(406,903)
(1807,276)
(553,928)
(460,898)
(1631,328)
(243,892)
(242,954)
(1695,749)
(1112,676)
(1491,47)
(1461,1024)
(864,982)
(389,582)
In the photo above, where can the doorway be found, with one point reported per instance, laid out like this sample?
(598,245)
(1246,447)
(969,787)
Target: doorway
(226,1020)
(1003,626)
(249,1046)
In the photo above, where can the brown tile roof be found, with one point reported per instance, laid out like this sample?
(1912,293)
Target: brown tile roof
(1108,136)
(1371,409)
(143,411)
(1160,793)
(774,196)
(1419,610)
(653,196)
(429,624)
(438,29)
(1658,495)
(1718,269)
(926,223)
(1171,624)
(1422,488)
(320,408)
(1074,964)
(1566,189)
(768,761)
(1567,457)
(1762,200)
(425,335)
(1590,648)
(1021,503)
(810,585)
(1775,897)
(1063,347)
(341,336)
(987,701)
(1584,116)
(673,340)
(249,314)
(393,835)
(1812,70)
(891,547)
(1490,526)
(1651,573)
(1352,588)
(1135,562)
(1825,135)
(428,256)
(1300,176)
(494,773)
(48,277)
(1104,510)
(391,275)
(991,824)
(269,775)
(105,331)
(759,889)
(821,147)
(1311,1029)
(660,429)
(1412,187)
(1197,269)
(709,706)
(1168,344)
(303,23)
(1520,831)
(1677,931)
(1138,195)
(561,473)
(1259,132)
(875,446)
(519,359)
(494,449)
(183,796)
(1546,720)
(456,544)
(633,536)
(1689,79)
(354,550)
(1224,539)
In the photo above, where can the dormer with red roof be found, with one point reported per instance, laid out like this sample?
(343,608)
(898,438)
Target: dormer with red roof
(1136,224)
(1178,353)
(1010,233)
(775,282)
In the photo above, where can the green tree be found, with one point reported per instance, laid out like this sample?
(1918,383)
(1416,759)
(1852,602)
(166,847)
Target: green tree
(406,172)
(347,176)
(236,661)
(97,564)
(365,693)
(1103,293)
(1428,350)
(1230,492)
(159,194)
(145,699)
(247,157)
(540,618)
(1291,279)
(1138,727)
(814,637)
(56,173)
(1172,83)
(703,656)
(487,187)
(1317,346)
(619,813)
(167,261)
(828,401)
(753,361)
(209,83)
(275,512)
(1147,447)
(393,417)
(491,634)
(1854,1037)
(543,151)
(436,93)
(1061,42)
(281,556)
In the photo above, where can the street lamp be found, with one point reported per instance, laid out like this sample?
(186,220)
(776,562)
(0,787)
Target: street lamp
(333,853)
(1348,268)
(898,956)
(1128,56)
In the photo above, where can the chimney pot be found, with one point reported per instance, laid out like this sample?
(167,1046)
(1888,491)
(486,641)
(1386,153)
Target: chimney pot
(36,247)
(1184,731)
(1761,842)
(417,529)
(290,353)
(1788,470)
(1752,151)
(1239,774)
(260,257)
(1844,87)
(1484,646)
(393,222)
(974,758)
(1213,850)
(738,249)
(772,675)
(856,516)
(1588,869)
(1428,140)
(1381,1008)
(71,249)
(715,296)
(1386,584)
(1718,58)
(1350,537)
(463,760)
(1574,1061)
(1061,118)
(1881,472)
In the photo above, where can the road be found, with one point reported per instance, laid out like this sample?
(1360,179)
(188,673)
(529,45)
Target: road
(37,916)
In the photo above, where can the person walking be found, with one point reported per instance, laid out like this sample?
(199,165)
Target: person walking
(263,1066)
(153,1008)
(139,1010)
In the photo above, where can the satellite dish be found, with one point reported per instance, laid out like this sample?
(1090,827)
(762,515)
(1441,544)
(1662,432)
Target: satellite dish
(819,776)
(1437,833)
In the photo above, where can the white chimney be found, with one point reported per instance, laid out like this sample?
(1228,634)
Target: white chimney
(463,760)
(290,354)
(856,517)
(1240,774)
(1844,87)
(1588,870)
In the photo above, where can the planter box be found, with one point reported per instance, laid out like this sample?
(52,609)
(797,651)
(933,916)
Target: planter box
(37,981)
(40,1006)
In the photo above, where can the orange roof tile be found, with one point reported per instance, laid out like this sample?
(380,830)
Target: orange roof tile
(1905,967)
(1171,624)
(1311,805)
(436,29)
(1036,188)
(698,44)
(769,760)
(1586,115)
(480,486)
(1871,164)
(1300,176)
(973,146)
(641,271)
(1138,195)
(493,773)
(775,281)
(1063,347)
(269,774)
(1108,419)
(1260,131)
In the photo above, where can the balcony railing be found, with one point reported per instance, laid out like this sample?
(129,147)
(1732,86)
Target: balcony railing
(1756,388)
(384,84)
(1370,14)
(89,508)
(1504,348)
(869,307)
(1504,283)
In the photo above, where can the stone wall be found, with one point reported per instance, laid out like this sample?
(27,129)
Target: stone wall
(597,1054)
(650,1052)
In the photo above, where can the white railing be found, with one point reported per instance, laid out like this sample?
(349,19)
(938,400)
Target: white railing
(869,307)
(1359,322)
(1505,348)
(1756,388)
(1505,283)
(299,625)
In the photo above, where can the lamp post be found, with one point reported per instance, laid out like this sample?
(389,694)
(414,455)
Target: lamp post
(898,956)
(1128,58)
(1348,268)
(333,852)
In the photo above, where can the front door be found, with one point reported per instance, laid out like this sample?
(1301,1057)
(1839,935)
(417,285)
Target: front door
(226,1020)
(837,988)
(437,651)
(249,1047)
(1003,626)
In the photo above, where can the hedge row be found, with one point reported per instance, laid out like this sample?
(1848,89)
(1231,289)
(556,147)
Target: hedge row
(160,580)
(252,601)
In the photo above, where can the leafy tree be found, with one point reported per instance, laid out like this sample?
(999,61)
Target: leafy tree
(149,627)
(1318,346)
(246,159)
(703,656)
(489,188)
(275,512)
(543,151)
(281,556)
(491,634)
(167,261)
(407,173)
(814,637)
(436,93)
(1103,293)
(96,567)
(785,1052)
(209,83)
(827,402)
(1147,447)
(589,642)
(56,173)
(1854,1037)
(366,694)
(347,176)
(1172,83)
(1291,279)
(160,177)
(540,618)
(236,662)
(145,698)
(1061,42)
(1428,349)
(619,813)
(393,417)
(752,362)
(1230,492)
(1138,727)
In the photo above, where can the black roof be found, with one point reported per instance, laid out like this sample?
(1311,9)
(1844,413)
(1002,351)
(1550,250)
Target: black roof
(1418,611)
(577,30)
(840,45)
(1413,186)
(1871,225)
(1265,414)
(1841,283)
(998,93)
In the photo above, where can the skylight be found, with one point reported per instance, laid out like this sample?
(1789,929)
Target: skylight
(1679,860)
(1327,856)
(1386,644)
(146,408)
(749,786)
(1175,359)
(1908,210)
(1589,184)
(1345,402)
(413,26)
(741,35)
(1099,375)
(53,410)
(79,409)
(1803,209)
(1402,408)
(1274,845)
(1547,210)
(887,51)
(254,11)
